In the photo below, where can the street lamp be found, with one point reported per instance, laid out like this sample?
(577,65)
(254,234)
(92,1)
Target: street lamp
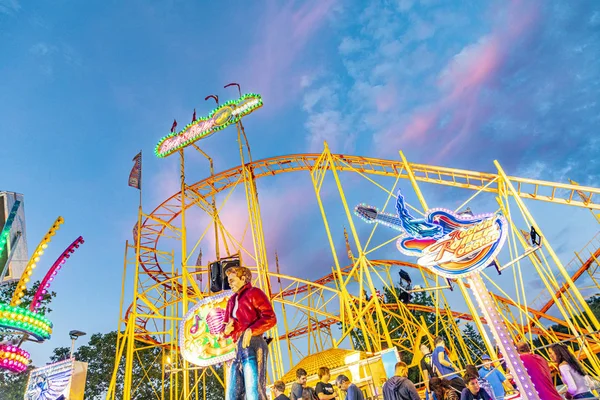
(74,335)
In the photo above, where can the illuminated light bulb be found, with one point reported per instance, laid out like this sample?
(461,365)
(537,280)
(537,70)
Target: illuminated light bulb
(44,246)
(37,259)
(26,280)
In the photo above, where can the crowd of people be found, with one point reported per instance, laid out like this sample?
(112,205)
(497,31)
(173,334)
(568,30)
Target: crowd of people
(443,379)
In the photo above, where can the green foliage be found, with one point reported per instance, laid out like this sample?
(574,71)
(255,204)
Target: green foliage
(472,338)
(147,373)
(12,386)
(7,290)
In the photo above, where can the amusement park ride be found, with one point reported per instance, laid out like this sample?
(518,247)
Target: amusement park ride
(317,316)
(22,324)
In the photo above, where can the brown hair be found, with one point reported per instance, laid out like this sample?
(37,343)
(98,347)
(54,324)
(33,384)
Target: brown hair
(471,369)
(469,377)
(323,371)
(300,372)
(523,347)
(401,366)
(439,386)
(241,272)
(279,385)
(564,355)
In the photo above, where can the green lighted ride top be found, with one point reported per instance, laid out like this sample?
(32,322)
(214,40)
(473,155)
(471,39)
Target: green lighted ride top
(220,118)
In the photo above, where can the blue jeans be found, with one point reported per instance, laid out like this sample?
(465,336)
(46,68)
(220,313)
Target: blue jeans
(585,395)
(248,374)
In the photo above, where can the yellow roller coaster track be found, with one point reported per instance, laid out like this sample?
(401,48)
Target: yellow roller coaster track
(154,225)
(161,218)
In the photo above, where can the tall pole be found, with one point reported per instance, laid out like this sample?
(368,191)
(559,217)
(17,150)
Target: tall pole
(256,228)
(184,270)
(503,339)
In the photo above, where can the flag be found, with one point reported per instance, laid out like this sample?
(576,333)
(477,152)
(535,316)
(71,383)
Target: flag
(135,233)
(135,176)
(194,116)
(174,125)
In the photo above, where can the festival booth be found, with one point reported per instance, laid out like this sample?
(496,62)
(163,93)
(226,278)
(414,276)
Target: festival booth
(368,371)
(61,380)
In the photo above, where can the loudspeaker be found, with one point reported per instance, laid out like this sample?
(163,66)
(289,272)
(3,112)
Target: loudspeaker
(228,263)
(216,277)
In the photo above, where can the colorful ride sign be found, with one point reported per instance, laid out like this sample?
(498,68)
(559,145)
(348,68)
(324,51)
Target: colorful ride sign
(449,244)
(220,118)
(201,332)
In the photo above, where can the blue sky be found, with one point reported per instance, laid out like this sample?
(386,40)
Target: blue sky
(85,85)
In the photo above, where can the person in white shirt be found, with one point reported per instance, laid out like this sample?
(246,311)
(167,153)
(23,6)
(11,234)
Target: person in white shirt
(571,372)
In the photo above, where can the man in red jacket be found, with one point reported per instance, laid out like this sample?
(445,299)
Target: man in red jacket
(249,314)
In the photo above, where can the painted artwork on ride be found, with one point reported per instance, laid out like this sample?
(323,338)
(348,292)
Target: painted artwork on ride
(449,244)
(64,379)
(200,332)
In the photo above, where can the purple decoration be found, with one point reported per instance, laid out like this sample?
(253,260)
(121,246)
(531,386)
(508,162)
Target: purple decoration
(214,319)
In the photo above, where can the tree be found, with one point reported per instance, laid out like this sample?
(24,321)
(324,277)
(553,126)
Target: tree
(6,293)
(147,374)
(474,341)
(12,386)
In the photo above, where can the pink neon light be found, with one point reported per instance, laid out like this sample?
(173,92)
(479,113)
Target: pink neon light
(60,261)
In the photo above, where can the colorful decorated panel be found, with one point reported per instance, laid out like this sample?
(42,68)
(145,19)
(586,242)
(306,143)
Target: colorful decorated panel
(200,332)
(13,358)
(220,118)
(50,382)
(7,226)
(449,244)
(24,320)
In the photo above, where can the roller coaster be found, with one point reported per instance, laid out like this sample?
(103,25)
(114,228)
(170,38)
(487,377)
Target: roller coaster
(317,315)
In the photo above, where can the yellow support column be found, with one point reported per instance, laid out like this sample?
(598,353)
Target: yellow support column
(364,267)
(561,268)
(184,270)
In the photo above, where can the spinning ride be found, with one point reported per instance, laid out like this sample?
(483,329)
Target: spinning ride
(343,309)
(28,324)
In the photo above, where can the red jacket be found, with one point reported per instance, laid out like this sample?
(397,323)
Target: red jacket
(254,311)
(540,375)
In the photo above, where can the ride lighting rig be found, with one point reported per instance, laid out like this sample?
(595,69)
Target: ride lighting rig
(60,261)
(13,358)
(8,225)
(28,321)
(32,263)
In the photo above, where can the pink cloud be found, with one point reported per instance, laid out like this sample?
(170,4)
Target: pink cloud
(386,98)
(478,66)
(281,207)
(419,125)
(287,29)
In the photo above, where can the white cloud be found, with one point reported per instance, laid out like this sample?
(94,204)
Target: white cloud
(328,125)
(9,7)
(323,96)
(42,49)
(350,45)
(306,81)
(405,5)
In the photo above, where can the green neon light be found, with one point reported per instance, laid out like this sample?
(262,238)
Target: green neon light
(219,118)
(8,225)
(25,320)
